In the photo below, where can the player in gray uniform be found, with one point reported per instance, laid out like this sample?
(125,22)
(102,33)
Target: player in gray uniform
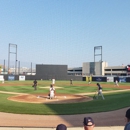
(100,91)
(35,84)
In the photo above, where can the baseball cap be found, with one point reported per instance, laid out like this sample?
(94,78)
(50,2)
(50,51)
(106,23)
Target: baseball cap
(128,113)
(88,121)
(61,127)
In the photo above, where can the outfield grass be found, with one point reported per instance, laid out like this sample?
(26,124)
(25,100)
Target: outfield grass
(113,101)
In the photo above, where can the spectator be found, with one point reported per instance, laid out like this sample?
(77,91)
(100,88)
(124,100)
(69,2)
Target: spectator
(88,123)
(61,127)
(127,126)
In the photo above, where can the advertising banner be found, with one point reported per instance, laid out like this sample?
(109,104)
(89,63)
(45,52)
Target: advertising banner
(1,77)
(21,78)
(110,79)
(11,77)
(122,79)
(88,78)
(99,79)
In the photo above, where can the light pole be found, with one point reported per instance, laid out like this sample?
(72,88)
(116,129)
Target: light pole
(11,52)
(100,54)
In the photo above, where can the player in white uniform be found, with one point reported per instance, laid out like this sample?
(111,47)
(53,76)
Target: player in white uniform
(53,81)
(3,81)
(116,83)
(52,92)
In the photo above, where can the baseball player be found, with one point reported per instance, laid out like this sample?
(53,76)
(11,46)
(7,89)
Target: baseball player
(71,81)
(100,91)
(89,82)
(116,83)
(53,81)
(52,92)
(35,84)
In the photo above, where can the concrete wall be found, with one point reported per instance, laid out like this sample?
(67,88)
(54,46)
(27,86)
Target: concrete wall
(46,72)
(32,77)
(75,78)
(98,68)
(88,68)
(104,64)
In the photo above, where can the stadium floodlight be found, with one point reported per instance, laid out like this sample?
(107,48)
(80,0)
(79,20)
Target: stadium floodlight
(99,54)
(12,52)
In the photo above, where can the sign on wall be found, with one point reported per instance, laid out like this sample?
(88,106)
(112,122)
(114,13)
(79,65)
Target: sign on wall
(88,78)
(11,77)
(99,79)
(110,79)
(122,79)
(1,77)
(21,78)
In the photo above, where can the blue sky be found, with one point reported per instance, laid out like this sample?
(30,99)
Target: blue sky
(65,31)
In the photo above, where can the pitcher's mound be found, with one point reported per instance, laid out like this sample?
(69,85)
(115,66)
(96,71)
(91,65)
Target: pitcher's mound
(43,98)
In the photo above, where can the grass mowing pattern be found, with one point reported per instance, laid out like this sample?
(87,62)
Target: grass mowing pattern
(112,101)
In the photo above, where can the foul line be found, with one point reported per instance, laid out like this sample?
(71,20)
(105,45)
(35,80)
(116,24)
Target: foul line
(114,91)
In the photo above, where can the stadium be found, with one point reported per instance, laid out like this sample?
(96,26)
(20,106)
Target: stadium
(72,102)
(61,74)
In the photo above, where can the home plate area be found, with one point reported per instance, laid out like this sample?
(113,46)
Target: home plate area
(43,98)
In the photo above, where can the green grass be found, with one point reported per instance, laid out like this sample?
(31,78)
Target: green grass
(113,101)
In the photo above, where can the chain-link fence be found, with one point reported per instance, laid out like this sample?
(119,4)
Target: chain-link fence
(17,67)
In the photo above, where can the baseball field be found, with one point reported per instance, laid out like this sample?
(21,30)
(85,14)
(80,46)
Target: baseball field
(19,97)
